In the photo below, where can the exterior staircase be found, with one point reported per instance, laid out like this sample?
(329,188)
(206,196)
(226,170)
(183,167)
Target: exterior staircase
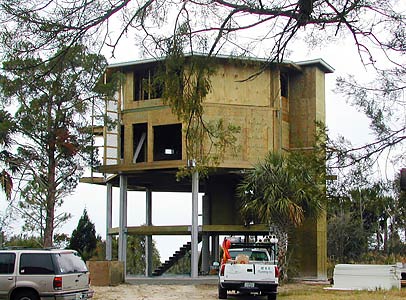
(174,258)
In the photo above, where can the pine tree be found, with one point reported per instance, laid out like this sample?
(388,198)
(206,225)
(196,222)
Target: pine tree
(47,104)
(84,238)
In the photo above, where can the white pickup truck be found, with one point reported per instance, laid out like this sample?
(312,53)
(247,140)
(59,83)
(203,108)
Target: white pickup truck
(248,270)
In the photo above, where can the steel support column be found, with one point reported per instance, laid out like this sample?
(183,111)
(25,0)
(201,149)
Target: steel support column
(109,214)
(194,230)
(122,245)
(215,248)
(205,236)
(148,238)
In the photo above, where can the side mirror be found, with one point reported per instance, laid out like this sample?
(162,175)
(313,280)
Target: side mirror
(216,264)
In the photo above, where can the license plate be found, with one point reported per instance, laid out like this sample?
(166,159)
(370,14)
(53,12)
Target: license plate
(249,284)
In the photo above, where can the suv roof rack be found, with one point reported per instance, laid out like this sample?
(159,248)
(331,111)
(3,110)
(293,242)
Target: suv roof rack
(26,248)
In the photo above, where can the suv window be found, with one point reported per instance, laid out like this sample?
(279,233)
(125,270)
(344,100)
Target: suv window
(36,263)
(70,262)
(7,263)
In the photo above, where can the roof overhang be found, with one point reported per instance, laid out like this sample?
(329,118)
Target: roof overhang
(291,65)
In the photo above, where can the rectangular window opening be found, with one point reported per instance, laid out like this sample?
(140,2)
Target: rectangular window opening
(146,86)
(168,142)
(284,85)
(140,142)
(122,141)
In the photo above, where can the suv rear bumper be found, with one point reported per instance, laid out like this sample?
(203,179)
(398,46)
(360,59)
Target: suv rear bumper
(82,295)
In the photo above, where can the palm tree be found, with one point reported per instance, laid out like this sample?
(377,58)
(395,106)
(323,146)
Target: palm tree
(283,191)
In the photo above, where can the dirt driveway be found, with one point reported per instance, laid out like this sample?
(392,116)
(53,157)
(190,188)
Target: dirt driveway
(163,292)
(209,292)
(155,292)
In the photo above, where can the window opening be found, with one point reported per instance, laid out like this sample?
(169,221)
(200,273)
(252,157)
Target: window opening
(168,142)
(122,141)
(145,85)
(284,85)
(140,142)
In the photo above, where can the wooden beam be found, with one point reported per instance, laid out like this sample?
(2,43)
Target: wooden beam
(236,229)
(185,229)
(93,180)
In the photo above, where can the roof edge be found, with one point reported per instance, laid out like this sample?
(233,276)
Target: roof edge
(321,63)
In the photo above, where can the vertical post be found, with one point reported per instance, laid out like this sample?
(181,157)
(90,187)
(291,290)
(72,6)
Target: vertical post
(148,238)
(122,245)
(109,212)
(215,248)
(205,236)
(195,220)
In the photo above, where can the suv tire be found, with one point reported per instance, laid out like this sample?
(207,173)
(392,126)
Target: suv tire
(26,295)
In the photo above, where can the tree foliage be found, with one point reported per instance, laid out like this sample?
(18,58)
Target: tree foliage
(84,238)
(136,255)
(382,101)
(48,101)
(22,240)
(10,164)
(364,215)
(247,28)
(346,241)
(283,190)
(211,26)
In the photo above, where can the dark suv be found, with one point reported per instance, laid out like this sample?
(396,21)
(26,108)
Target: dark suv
(42,274)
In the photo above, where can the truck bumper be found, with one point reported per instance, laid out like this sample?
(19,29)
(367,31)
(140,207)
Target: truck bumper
(257,287)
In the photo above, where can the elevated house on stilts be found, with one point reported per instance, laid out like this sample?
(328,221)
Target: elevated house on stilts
(275,110)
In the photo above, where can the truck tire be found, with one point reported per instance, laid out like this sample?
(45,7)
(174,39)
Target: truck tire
(271,296)
(222,292)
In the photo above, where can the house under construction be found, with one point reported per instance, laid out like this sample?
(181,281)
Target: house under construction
(276,110)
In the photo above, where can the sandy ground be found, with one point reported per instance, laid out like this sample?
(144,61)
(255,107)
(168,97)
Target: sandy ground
(209,292)
(155,292)
(172,292)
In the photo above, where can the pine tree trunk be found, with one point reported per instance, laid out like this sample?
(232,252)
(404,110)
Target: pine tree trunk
(50,201)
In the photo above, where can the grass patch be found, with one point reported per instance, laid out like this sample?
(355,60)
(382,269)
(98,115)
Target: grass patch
(317,292)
